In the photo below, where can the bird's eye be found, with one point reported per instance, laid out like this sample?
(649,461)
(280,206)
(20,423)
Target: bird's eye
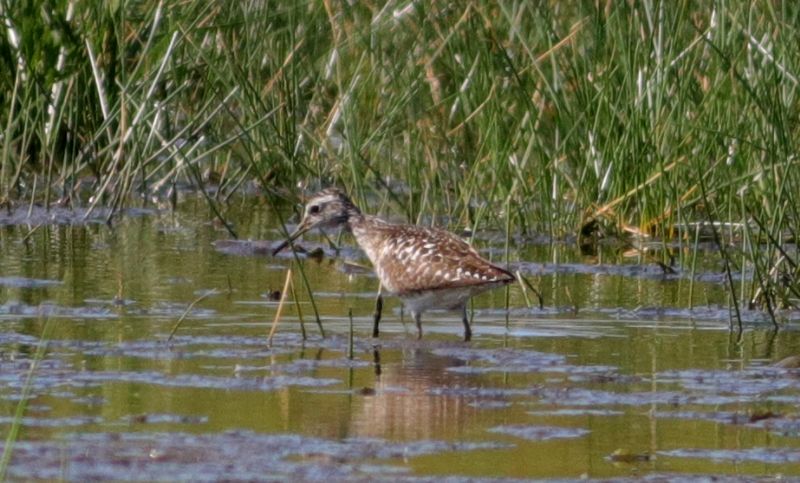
(314,209)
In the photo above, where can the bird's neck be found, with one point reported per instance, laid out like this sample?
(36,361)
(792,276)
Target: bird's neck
(359,223)
(355,219)
(368,232)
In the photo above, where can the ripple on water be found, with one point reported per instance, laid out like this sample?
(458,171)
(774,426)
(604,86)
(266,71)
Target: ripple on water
(306,365)
(786,424)
(52,375)
(181,349)
(53,422)
(45,309)
(23,282)
(489,404)
(484,361)
(576,412)
(164,419)
(539,433)
(761,455)
(578,396)
(746,382)
(206,457)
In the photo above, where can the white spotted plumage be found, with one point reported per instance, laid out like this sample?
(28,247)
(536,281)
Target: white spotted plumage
(427,268)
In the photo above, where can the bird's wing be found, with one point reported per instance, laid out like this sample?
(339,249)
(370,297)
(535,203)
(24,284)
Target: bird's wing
(420,259)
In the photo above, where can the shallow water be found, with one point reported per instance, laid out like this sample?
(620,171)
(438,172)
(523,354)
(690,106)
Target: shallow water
(615,377)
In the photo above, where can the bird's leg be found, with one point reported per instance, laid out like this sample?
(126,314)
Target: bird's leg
(465,319)
(418,321)
(378,311)
(376,355)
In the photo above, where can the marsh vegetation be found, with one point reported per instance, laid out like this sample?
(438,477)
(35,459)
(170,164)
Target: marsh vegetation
(639,121)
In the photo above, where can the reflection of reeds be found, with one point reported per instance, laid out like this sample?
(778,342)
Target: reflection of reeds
(19,413)
(537,116)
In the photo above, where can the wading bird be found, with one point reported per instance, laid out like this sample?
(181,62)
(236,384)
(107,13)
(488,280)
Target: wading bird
(427,268)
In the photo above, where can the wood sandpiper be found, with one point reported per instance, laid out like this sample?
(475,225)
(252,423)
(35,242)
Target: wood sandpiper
(427,268)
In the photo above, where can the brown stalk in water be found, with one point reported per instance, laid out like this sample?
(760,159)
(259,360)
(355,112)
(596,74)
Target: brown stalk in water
(286,286)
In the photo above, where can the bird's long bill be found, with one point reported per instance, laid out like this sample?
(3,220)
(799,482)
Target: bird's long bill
(302,228)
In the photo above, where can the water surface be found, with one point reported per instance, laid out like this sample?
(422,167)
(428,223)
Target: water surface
(615,377)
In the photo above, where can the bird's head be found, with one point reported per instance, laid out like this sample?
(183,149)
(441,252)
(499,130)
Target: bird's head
(330,208)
